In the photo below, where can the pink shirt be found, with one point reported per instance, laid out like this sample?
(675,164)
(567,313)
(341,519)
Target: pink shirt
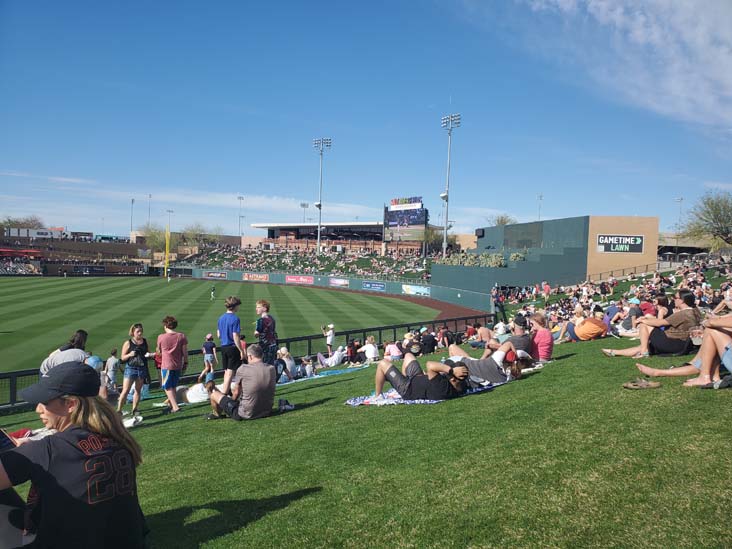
(392,351)
(171,347)
(542,345)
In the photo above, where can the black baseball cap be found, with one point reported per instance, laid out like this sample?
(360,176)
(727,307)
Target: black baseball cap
(520,321)
(69,378)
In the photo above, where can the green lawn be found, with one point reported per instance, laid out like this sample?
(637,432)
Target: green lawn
(562,458)
(37,315)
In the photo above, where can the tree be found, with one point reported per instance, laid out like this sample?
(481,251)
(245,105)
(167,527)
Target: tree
(28,222)
(711,217)
(194,234)
(433,238)
(501,219)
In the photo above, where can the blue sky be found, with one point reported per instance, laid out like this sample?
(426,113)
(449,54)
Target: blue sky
(604,107)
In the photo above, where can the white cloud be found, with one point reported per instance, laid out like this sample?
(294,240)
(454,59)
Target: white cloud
(57,179)
(672,57)
(718,185)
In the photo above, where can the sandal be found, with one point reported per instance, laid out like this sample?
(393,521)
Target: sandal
(641,355)
(608,352)
(641,384)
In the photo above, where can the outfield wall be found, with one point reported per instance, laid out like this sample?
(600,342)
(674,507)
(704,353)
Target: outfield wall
(466,298)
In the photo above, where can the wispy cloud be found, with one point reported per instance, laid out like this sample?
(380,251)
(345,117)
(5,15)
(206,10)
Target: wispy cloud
(54,178)
(672,58)
(719,185)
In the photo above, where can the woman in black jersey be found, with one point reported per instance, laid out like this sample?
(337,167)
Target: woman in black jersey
(85,473)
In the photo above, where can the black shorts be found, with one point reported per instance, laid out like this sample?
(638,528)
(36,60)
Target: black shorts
(399,381)
(660,344)
(230,407)
(230,357)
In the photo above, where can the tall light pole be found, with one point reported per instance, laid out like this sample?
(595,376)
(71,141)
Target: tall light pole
(170,212)
(241,199)
(448,122)
(320,144)
(540,198)
(132,208)
(149,200)
(304,206)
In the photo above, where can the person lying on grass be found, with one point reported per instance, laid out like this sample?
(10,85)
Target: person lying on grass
(670,335)
(252,394)
(715,350)
(442,381)
(501,366)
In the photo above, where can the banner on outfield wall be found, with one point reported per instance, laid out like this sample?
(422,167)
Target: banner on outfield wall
(214,274)
(411,289)
(618,243)
(89,269)
(338,282)
(373,286)
(299,279)
(255,277)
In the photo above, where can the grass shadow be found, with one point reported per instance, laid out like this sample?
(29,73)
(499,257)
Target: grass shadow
(303,406)
(560,357)
(173,528)
(283,393)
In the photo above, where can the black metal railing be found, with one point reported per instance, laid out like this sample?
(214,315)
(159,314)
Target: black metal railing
(11,383)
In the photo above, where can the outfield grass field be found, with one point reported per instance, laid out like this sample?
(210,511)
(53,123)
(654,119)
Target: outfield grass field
(562,458)
(37,315)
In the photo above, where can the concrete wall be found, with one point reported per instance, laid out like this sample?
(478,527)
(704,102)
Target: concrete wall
(604,261)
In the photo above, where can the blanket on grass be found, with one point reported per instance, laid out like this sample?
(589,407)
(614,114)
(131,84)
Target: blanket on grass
(321,374)
(391,397)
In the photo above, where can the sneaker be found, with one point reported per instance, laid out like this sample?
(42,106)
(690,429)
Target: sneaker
(281,404)
(288,407)
(214,416)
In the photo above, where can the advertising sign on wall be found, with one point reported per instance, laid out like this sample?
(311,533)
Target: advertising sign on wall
(215,274)
(412,289)
(299,279)
(616,243)
(373,286)
(255,277)
(338,282)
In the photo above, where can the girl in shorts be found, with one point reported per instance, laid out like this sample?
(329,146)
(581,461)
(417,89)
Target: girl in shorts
(209,357)
(135,353)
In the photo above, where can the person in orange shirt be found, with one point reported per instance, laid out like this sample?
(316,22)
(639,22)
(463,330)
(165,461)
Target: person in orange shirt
(592,328)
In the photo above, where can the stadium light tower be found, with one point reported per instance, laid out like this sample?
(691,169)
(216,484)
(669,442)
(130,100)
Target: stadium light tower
(320,145)
(149,200)
(241,199)
(449,122)
(170,212)
(132,209)
(680,200)
(304,206)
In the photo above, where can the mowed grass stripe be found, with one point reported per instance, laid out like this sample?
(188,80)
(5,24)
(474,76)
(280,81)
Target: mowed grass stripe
(151,320)
(85,289)
(288,313)
(116,309)
(10,286)
(106,307)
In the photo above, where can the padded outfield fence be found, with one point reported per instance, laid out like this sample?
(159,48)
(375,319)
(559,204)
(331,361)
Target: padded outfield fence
(11,383)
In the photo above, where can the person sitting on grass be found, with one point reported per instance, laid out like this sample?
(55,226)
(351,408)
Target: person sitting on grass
(592,327)
(503,365)
(441,382)
(370,350)
(715,351)
(482,336)
(629,319)
(673,339)
(392,351)
(542,341)
(252,394)
(333,360)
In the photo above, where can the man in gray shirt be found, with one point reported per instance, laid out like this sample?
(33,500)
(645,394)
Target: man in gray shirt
(252,394)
